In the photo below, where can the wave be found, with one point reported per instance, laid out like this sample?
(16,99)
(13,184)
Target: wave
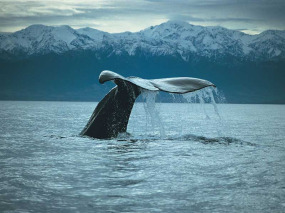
(186,137)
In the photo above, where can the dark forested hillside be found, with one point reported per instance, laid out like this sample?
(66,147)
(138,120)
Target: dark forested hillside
(73,75)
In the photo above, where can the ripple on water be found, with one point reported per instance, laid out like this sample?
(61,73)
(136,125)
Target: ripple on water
(235,164)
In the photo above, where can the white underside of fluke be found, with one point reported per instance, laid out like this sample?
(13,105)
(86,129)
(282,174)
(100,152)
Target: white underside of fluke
(178,85)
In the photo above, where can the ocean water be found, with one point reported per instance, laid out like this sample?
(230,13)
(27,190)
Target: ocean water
(182,158)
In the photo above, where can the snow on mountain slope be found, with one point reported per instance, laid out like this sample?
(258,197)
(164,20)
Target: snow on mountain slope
(43,39)
(269,43)
(94,34)
(171,38)
(186,38)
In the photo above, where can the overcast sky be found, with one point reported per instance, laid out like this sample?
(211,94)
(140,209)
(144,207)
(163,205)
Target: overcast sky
(250,16)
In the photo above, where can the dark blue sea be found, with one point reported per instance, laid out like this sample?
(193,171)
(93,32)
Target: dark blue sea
(178,158)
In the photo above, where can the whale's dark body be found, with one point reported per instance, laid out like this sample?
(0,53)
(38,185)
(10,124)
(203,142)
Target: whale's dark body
(112,113)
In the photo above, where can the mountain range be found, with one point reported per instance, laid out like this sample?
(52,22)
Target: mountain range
(61,63)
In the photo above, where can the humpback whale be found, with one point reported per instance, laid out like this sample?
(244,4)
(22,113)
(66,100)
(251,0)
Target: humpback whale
(112,113)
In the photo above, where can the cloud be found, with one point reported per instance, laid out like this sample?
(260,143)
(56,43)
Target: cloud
(134,15)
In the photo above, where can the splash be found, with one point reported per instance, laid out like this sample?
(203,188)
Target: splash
(191,113)
(152,114)
(205,98)
(207,95)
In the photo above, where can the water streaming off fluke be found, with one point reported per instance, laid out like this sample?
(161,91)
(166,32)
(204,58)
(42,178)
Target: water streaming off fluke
(204,102)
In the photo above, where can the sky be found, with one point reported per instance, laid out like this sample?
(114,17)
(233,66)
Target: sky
(249,16)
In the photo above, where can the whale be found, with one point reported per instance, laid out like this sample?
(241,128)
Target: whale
(112,113)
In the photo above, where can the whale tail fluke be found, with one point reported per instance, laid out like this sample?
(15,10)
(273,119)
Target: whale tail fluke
(112,113)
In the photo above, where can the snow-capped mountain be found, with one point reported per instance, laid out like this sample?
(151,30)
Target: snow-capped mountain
(173,38)
(43,39)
